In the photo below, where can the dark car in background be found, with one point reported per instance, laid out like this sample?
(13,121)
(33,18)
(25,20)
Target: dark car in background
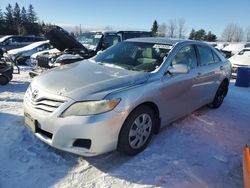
(17,41)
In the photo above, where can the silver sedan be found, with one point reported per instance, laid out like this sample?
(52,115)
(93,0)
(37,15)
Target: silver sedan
(122,96)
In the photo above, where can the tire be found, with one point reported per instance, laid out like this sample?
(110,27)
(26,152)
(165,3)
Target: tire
(137,131)
(219,96)
(4,80)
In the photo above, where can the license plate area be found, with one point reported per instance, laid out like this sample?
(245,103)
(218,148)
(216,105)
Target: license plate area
(30,122)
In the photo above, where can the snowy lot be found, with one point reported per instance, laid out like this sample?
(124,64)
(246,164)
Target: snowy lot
(203,149)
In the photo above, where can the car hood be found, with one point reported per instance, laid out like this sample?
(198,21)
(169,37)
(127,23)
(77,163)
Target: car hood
(62,40)
(240,60)
(87,80)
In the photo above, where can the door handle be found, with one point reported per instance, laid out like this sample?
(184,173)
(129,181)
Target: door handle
(221,68)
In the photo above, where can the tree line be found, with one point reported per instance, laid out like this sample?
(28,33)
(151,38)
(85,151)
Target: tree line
(177,29)
(16,20)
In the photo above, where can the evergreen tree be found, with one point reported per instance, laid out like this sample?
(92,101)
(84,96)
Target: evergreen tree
(17,18)
(192,35)
(154,28)
(200,35)
(32,18)
(17,14)
(211,37)
(8,15)
(1,16)
(24,18)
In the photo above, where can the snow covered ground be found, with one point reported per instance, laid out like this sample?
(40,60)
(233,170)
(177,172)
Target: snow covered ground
(203,149)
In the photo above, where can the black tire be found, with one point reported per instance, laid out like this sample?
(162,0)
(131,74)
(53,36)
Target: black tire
(220,95)
(4,80)
(124,145)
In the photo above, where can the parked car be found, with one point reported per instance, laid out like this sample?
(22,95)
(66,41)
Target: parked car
(7,68)
(233,48)
(83,47)
(119,98)
(241,59)
(24,53)
(17,41)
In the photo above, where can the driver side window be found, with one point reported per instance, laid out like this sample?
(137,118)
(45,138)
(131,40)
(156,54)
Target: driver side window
(186,56)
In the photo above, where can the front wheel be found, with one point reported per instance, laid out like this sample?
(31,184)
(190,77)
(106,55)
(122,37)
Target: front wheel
(137,131)
(219,96)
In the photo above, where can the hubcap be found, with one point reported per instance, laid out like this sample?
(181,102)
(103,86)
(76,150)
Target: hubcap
(220,96)
(140,131)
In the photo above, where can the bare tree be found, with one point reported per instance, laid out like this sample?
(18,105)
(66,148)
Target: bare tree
(233,33)
(162,30)
(181,28)
(172,27)
(248,34)
(239,34)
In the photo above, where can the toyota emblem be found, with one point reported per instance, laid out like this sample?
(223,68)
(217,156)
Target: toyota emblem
(34,94)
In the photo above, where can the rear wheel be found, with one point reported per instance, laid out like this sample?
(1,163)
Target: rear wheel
(137,130)
(4,80)
(220,95)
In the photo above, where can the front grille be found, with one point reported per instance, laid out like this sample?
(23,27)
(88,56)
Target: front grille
(42,103)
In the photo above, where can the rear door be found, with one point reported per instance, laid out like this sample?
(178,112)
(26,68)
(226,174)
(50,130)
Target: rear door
(208,73)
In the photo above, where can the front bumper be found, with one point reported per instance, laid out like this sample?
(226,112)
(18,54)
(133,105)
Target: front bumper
(101,131)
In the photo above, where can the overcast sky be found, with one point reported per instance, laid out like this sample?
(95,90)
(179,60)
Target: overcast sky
(211,15)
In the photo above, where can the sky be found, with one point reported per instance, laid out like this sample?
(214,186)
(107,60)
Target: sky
(211,15)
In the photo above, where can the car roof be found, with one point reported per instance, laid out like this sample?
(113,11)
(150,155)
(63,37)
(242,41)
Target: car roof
(161,40)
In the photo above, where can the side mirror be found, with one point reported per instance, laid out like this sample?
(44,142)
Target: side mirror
(178,69)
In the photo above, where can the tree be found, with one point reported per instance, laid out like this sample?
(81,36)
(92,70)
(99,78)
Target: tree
(248,34)
(32,18)
(211,37)
(172,27)
(24,15)
(8,15)
(201,35)
(181,28)
(1,16)
(192,35)
(232,33)
(162,30)
(17,17)
(154,28)
(239,34)
(17,14)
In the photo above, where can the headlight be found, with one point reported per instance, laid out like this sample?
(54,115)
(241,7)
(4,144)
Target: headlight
(90,107)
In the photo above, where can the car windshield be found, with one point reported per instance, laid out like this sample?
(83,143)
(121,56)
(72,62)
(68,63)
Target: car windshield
(138,56)
(245,52)
(90,40)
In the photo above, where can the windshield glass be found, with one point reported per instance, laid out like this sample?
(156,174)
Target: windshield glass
(137,56)
(90,40)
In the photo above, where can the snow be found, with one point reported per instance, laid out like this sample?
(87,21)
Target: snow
(203,149)
(28,47)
